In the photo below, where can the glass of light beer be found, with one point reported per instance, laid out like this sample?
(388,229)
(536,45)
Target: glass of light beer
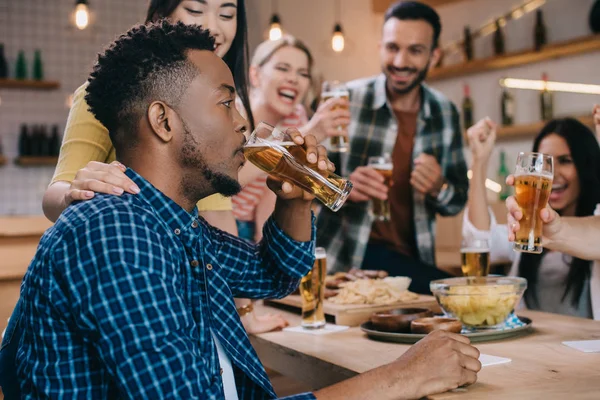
(336,89)
(475,257)
(312,290)
(275,152)
(533,183)
(380,209)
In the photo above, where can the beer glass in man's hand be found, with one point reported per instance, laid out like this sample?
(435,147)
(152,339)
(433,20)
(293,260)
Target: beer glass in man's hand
(335,89)
(533,182)
(276,153)
(383,166)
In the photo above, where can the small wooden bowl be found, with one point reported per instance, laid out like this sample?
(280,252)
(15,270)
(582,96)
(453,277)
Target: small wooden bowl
(398,320)
(426,325)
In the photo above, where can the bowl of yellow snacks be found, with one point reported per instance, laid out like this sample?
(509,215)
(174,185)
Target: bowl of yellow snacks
(479,302)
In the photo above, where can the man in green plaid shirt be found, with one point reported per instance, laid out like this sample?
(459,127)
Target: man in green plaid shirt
(395,113)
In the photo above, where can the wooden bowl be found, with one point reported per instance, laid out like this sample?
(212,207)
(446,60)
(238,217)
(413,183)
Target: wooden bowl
(398,320)
(427,325)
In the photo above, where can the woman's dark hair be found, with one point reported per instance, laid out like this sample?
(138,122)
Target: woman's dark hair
(585,154)
(237,56)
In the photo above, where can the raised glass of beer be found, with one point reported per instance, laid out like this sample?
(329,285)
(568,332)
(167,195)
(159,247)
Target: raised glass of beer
(330,90)
(275,152)
(475,257)
(533,183)
(312,290)
(380,209)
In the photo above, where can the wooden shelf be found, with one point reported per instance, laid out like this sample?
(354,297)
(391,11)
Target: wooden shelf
(529,130)
(28,84)
(2,160)
(582,45)
(36,161)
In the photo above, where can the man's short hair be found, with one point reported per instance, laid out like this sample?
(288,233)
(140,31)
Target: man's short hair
(413,10)
(148,63)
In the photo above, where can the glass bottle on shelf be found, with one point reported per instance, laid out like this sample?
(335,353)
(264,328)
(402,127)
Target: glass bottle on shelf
(21,67)
(546,100)
(498,39)
(24,142)
(539,32)
(467,108)
(54,142)
(38,66)
(502,175)
(507,107)
(3,63)
(468,44)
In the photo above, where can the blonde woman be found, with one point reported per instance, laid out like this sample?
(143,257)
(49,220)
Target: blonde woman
(280,78)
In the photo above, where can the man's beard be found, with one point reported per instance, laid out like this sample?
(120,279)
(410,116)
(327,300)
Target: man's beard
(191,157)
(421,75)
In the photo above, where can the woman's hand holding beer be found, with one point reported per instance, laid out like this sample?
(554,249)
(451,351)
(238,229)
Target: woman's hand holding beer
(551,219)
(97,177)
(368,184)
(331,119)
(316,155)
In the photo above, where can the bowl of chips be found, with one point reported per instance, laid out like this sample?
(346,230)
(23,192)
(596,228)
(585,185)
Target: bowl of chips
(479,302)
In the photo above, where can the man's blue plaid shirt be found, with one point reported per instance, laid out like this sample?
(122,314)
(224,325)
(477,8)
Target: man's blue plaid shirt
(122,295)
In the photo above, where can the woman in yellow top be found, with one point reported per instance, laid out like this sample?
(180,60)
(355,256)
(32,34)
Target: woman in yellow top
(87,162)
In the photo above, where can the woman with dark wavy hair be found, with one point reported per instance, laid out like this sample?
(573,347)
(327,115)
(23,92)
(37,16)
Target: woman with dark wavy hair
(557,282)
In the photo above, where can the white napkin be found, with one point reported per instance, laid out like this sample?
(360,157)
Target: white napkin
(329,328)
(487,360)
(587,346)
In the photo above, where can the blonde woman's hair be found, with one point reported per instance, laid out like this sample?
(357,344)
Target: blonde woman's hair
(266,49)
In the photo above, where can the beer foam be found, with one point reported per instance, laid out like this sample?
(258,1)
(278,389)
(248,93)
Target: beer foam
(383,167)
(474,250)
(336,93)
(534,174)
(266,142)
(320,253)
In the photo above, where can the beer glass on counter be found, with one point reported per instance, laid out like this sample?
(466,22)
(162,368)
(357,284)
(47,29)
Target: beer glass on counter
(383,165)
(312,290)
(475,257)
(275,152)
(335,89)
(533,182)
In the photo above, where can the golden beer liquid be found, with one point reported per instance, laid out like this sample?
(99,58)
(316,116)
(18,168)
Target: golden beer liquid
(312,290)
(475,262)
(381,208)
(340,143)
(273,162)
(532,193)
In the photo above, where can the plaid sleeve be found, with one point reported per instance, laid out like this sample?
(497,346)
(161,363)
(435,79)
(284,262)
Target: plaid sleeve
(301,396)
(453,199)
(121,287)
(270,269)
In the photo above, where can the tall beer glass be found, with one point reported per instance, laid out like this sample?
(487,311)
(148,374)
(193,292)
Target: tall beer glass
(275,152)
(383,165)
(312,290)
(335,89)
(533,183)
(475,257)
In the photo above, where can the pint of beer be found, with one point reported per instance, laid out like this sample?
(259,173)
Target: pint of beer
(312,290)
(381,208)
(475,257)
(275,153)
(533,184)
(335,89)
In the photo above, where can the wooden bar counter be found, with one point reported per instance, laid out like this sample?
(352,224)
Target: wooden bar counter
(541,368)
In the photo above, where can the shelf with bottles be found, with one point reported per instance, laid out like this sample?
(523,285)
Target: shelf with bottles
(28,84)
(36,147)
(581,45)
(532,129)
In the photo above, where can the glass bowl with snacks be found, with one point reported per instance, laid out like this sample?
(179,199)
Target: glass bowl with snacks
(479,302)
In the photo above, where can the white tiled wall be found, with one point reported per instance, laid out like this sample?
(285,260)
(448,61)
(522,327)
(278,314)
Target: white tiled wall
(68,55)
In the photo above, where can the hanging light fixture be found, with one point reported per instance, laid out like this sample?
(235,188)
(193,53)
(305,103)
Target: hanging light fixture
(82,14)
(337,40)
(275,32)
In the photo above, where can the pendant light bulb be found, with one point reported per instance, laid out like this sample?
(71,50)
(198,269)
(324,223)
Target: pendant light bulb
(337,40)
(275,32)
(82,14)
